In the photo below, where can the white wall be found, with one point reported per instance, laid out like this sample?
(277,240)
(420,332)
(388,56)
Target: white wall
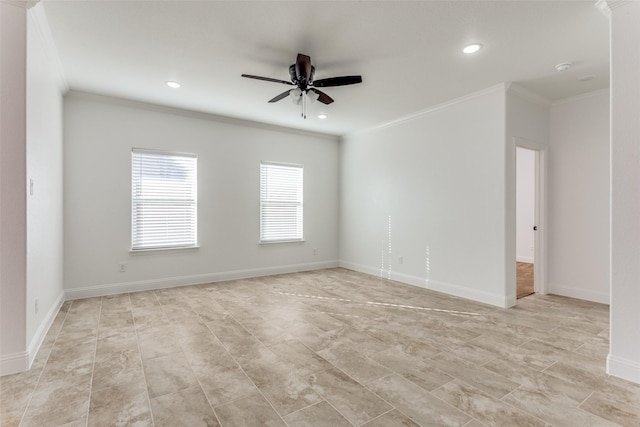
(578,211)
(525,204)
(44,167)
(430,189)
(99,135)
(624,355)
(13,204)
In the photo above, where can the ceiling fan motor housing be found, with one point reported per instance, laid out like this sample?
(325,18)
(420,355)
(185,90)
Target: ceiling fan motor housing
(300,82)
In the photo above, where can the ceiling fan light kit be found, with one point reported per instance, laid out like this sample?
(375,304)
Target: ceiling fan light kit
(302,74)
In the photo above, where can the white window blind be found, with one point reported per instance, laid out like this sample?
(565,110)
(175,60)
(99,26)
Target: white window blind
(280,202)
(163,200)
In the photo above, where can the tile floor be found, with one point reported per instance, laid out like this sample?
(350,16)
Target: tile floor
(323,348)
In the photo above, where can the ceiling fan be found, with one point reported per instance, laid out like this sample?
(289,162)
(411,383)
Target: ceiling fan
(302,73)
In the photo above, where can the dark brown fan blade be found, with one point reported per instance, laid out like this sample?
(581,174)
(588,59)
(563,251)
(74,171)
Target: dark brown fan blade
(279,97)
(303,67)
(322,97)
(338,81)
(267,79)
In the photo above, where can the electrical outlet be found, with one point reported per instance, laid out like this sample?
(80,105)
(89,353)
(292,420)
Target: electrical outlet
(400,260)
(315,251)
(122,267)
(31,186)
(36,306)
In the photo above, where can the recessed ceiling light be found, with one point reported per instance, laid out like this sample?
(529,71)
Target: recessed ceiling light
(322,116)
(472,48)
(174,85)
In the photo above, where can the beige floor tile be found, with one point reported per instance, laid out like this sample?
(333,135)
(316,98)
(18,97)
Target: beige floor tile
(319,415)
(59,402)
(302,360)
(11,418)
(116,339)
(251,353)
(484,407)
(189,327)
(116,319)
(557,389)
(221,378)
(475,423)
(168,374)
(201,344)
(155,344)
(357,366)
(416,403)
(229,332)
(413,368)
(620,413)
(494,384)
(543,357)
(122,405)
(188,407)
(351,399)
(286,392)
(391,419)
(67,364)
(113,369)
(15,393)
(539,405)
(248,411)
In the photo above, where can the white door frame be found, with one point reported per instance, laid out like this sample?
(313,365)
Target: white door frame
(540,246)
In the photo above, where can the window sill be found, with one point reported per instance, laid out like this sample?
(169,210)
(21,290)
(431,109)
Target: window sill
(275,242)
(162,250)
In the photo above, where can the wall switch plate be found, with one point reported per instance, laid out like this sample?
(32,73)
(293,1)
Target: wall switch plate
(36,306)
(400,260)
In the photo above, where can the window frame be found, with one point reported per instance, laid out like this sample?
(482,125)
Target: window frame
(192,202)
(299,204)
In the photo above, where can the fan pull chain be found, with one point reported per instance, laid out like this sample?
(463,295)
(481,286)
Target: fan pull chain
(304,105)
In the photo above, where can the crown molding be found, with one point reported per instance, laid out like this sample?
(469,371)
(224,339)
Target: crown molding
(521,92)
(167,109)
(25,4)
(603,6)
(582,96)
(501,87)
(614,4)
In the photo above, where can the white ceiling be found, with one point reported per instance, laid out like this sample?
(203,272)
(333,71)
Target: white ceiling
(408,53)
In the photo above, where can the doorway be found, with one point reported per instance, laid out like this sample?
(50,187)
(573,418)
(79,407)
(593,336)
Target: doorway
(526,220)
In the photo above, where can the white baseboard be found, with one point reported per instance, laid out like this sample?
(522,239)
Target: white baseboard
(197,279)
(447,288)
(19,362)
(584,294)
(41,333)
(13,363)
(526,259)
(623,368)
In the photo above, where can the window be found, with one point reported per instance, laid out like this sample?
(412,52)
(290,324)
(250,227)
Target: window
(163,200)
(280,202)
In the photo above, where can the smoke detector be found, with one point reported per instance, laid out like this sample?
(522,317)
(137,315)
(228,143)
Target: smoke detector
(563,67)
